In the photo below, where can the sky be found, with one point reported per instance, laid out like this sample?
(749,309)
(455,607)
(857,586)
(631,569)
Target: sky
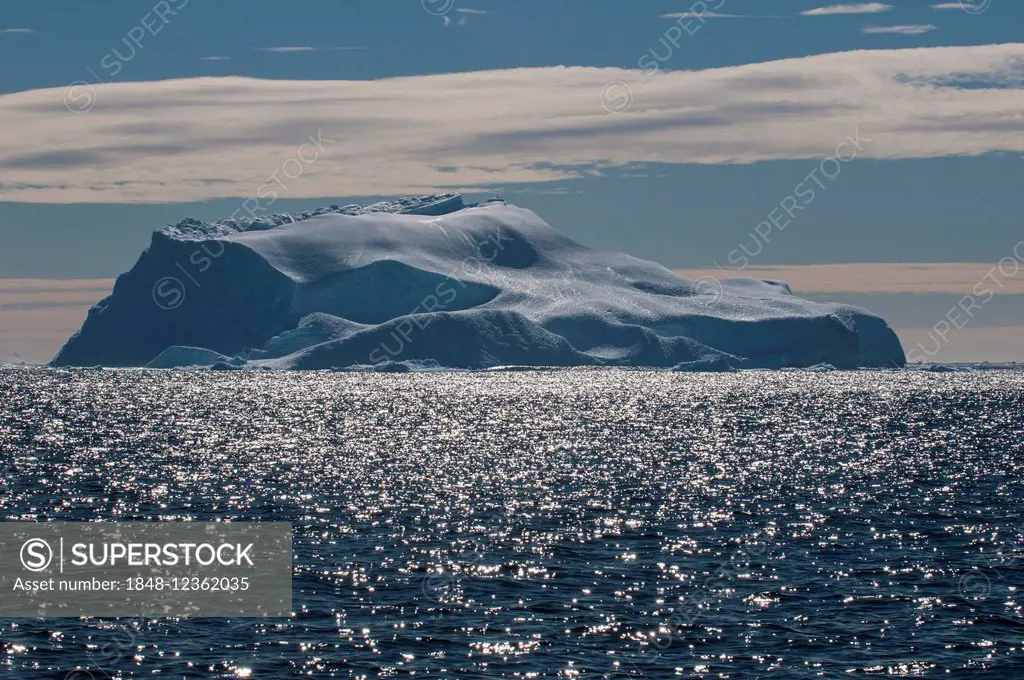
(866,152)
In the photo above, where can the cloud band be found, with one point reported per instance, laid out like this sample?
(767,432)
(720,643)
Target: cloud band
(204,138)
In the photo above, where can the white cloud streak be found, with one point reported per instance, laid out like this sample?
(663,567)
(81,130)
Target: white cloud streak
(949,5)
(306,48)
(286,48)
(204,138)
(712,15)
(909,29)
(15,30)
(856,8)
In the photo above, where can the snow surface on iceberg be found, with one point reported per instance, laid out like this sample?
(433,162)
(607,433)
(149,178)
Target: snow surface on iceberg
(428,279)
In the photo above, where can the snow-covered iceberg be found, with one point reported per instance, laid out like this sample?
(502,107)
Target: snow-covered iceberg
(431,281)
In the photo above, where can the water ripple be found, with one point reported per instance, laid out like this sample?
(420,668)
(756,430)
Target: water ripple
(571,524)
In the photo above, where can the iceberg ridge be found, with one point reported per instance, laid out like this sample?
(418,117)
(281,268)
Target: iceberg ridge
(431,281)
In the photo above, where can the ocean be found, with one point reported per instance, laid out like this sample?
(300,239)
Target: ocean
(547,524)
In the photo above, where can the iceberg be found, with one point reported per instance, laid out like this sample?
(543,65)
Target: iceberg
(431,281)
(185,357)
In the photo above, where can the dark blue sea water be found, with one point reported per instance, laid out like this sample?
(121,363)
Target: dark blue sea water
(553,524)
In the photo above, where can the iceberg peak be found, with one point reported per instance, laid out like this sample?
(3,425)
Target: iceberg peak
(191,229)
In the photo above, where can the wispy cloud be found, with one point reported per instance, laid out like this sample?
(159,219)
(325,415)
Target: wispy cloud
(709,15)
(204,138)
(855,8)
(466,12)
(907,29)
(215,58)
(293,48)
(949,5)
(307,48)
(16,30)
